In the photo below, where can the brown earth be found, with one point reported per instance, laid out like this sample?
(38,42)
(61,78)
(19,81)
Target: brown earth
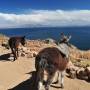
(19,75)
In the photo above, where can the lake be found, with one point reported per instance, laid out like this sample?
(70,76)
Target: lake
(80,35)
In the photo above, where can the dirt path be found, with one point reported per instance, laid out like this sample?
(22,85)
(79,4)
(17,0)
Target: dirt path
(18,76)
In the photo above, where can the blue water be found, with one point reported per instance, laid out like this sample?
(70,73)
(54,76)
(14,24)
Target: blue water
(80,35)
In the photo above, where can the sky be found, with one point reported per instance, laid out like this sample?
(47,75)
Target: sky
(44,13)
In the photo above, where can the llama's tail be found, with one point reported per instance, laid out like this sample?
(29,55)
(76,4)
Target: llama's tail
(43,63)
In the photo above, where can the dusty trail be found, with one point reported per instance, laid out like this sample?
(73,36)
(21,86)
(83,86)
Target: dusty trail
(16,76)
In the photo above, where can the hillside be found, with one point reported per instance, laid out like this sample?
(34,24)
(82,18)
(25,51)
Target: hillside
(19,75)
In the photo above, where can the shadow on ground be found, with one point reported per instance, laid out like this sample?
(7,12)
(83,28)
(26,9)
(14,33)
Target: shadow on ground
(28,84)
(5,57)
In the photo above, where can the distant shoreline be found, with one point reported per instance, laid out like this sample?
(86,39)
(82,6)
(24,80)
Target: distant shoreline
(80,35)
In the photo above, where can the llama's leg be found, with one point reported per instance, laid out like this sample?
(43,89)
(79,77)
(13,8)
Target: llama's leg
(61,78)
(17,53)
(39,80)
(40,84)
(13,52)
(56,78)
(49,80)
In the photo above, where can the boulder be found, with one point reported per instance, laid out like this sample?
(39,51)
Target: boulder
(23,54)
(71,70)
(30,55)
(87,70)
(81,74)
(72,74)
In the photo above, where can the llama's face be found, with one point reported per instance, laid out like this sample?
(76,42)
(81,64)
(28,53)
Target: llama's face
(23,41)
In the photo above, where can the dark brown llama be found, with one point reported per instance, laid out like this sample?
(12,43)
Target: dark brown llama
(14,44)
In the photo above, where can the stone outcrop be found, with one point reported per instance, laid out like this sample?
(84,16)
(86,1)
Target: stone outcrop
(75,53)
(87,70)
(34,46)
(37,45)
(71,70)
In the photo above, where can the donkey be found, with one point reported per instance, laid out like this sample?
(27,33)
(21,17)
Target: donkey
(51,60)
(14,44)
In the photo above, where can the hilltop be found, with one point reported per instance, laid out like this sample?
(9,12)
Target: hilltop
(19,75)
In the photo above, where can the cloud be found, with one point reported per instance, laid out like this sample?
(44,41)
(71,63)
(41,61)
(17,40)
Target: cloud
(51,18)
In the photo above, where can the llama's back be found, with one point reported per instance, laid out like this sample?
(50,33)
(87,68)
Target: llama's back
(53,57)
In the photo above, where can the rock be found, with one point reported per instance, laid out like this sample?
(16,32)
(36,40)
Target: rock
(70,64)
(87,70)
(23,49)
(82,74)
(23,54)
(72,74)
(34,54)
(71,70)
(29,55)
(49,40)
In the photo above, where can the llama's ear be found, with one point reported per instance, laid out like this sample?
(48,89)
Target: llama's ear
(23,36)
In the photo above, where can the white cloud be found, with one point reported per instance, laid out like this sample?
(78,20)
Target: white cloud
(51,18)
